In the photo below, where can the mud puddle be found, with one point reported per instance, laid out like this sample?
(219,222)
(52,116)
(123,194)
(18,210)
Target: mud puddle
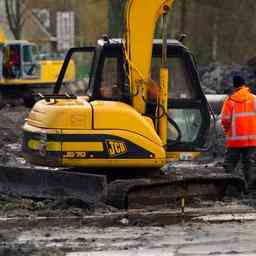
(137,232)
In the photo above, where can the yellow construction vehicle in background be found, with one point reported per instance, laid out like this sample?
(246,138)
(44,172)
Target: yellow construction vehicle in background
(143,106)
(23,74)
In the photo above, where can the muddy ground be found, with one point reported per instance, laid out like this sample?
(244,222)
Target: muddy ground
(52,227)
(100,237)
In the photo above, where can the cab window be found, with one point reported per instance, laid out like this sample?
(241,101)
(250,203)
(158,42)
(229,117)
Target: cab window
(30,63)
(12,62)
(189,122)
(180,86)
(110,80)
(184,109)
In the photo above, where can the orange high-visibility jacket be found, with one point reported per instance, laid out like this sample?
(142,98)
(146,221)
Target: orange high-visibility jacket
(238,118)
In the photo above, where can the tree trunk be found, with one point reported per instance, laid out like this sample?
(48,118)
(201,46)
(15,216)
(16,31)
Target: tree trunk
(183,17)
(215,37)
(15,10)
(115,14)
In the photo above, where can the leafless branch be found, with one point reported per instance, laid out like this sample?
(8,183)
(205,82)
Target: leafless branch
(16,15)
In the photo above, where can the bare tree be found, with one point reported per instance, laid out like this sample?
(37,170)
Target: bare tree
(115,13)
(183,18)
(216,29)
(15,10)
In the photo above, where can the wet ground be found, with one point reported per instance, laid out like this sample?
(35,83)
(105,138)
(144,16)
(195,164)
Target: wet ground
(50,227)
(78,237)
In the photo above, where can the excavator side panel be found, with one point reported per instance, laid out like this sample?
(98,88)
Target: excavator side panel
(99,133)
(92,148)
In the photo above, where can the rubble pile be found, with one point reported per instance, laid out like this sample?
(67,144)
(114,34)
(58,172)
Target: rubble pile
(217,78)
(11,120)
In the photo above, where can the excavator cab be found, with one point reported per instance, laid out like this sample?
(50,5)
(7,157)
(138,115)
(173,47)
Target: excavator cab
(20,60)
(188,113)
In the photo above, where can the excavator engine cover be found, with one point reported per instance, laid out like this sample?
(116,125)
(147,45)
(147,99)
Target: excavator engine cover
(95,134)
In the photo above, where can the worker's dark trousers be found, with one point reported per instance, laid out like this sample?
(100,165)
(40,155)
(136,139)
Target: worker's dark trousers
(248,158)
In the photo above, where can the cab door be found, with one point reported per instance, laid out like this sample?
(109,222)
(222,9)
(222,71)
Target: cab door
(187,107)
(188,112)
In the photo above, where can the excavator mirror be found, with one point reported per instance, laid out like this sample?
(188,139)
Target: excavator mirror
(182,38)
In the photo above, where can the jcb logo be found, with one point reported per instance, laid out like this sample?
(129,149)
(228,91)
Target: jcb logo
(116,148)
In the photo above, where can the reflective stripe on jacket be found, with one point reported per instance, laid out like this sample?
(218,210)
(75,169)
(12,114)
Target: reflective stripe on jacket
(238,118)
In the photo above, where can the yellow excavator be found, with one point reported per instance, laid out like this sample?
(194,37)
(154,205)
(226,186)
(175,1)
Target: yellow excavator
(143,107)
(23,74)
(135,129)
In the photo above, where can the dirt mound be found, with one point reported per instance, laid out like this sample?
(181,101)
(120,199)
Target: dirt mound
(11,121)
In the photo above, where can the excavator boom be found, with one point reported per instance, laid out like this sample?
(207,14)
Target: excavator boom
(139,34)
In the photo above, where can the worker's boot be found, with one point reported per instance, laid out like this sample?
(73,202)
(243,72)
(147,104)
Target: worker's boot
(232,157)
(249,170)
(250,177)
(249,167)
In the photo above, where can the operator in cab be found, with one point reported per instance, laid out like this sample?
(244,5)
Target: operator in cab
(109,91)
(12,63)
(238,119)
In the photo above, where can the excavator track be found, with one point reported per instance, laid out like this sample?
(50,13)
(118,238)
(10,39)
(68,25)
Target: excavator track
(170,189)
(120,191)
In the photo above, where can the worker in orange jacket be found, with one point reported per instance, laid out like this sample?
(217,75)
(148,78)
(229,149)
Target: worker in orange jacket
(238,119)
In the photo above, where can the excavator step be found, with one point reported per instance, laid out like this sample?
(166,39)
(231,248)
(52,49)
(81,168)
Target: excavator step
(52,184)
